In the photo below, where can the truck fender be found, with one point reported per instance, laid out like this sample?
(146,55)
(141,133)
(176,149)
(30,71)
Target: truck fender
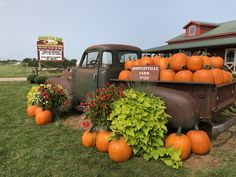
(182,108)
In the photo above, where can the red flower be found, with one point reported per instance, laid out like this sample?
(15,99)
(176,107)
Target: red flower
(65,102)
(86,124)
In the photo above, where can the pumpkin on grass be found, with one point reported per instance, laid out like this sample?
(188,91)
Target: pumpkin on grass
(119,150)
(102,141)
(179,141)
(200,141)
(43,117)
(89,138)
(38,109)
(31,110)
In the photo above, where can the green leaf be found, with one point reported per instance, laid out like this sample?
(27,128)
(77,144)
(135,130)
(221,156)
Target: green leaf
(130,132)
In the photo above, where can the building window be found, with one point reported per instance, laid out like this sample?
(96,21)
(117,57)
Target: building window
(230,55)
(192,30)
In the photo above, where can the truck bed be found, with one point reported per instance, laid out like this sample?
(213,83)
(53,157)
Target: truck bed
(211,98)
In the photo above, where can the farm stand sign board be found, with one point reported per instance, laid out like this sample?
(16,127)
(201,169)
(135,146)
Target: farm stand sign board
(50,48)
(145,73)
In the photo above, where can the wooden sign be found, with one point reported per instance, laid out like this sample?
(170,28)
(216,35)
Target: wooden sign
(145,73)
(50,48)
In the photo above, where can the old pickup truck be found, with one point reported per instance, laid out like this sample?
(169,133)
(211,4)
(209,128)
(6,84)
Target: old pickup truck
(187,103)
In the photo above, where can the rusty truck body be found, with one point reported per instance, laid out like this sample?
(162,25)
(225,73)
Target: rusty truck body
(187,103)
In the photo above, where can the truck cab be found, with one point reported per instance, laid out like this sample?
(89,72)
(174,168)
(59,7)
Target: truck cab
(99,64)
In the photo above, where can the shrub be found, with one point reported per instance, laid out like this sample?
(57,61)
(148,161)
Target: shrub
(98,104)
(40,79)
(50,96)
(31,78)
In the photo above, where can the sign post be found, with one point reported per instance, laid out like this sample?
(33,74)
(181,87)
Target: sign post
(50,48)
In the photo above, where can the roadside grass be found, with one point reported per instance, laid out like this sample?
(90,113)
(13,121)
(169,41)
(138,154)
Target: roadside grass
(22,71)
(55,150)
(14,71)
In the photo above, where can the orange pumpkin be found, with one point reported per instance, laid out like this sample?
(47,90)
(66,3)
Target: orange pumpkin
(125,75)
(217,62)
(218,75)
(89,138)
(31,110)
(101,141)
(184,76)
(43,117)
(207,62)
(228,77)
(195,63)
(203,76)
(119,150)
(200,141)
(146,61)
(163,62)
(129,64)
(156,60)
(167,75)
(135,63)
(38,109)
(178,61)
(179,141)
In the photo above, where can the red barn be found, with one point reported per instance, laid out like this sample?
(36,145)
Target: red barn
(214,38)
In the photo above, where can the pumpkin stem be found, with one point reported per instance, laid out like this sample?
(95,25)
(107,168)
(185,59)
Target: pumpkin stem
(183,67)
(196,126)
(168,66)
(206,67)
(179,131)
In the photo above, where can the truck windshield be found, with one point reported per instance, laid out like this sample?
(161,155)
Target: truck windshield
(90,59)
(127,55)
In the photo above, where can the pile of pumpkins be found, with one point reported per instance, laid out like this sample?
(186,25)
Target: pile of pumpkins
(183,68)
(118,150)
(42,117)
(195,141)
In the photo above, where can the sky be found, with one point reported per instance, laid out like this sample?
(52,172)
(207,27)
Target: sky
(82,23)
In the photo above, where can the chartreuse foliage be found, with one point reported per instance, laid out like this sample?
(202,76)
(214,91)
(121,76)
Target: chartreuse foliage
(141,119)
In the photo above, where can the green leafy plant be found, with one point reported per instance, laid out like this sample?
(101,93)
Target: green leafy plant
(98,105)
(40,79)
(31,78)
(141,118)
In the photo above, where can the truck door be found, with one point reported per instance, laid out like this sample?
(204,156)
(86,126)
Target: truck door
(105,71)
(87,78)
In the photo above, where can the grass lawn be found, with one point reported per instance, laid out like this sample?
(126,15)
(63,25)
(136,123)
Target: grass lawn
(55,150)
(20,71)
(14,71)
